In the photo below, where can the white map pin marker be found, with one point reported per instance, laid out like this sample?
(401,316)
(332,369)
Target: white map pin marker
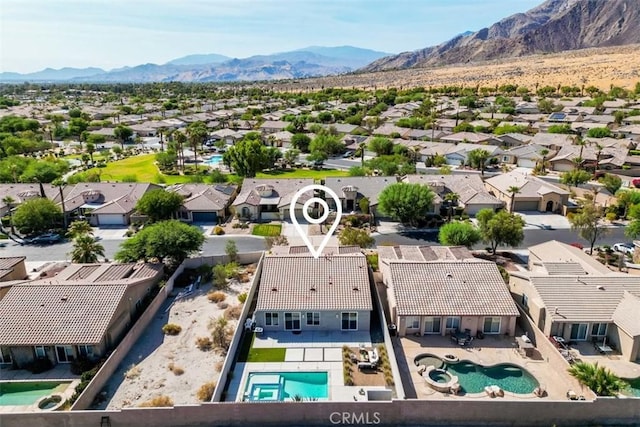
(325,214)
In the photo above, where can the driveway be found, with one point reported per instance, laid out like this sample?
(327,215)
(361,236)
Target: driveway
(544,220)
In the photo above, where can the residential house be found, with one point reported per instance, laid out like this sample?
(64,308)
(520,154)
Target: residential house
(552,141)
(105,203)
(273,126)
(514,139)
(297,292)
(269,199)
(534,194)
(569,294)
(21,193)
(525,156)
(280,139)
(12,271)
(458,154)
(629,131)
(609,156)
(351,190)
(204,203)
(229,136)
(435,291)
(445,125)
(83,311)
(472,195)
(470,137)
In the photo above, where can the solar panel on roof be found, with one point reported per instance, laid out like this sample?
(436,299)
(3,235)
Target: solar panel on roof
(226,189)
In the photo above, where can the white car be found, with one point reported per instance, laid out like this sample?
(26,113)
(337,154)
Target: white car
(625,248)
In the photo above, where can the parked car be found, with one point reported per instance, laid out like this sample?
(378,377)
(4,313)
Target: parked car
(45,239)
(625,248)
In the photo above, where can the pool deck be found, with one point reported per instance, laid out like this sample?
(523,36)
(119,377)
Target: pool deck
(66,394)
(308,351)
(491,350)
(614,361)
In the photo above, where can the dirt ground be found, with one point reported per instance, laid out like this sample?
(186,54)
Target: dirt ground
(366,377)
(173,366)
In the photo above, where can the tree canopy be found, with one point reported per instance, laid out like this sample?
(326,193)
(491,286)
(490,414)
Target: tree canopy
(159,204)
(459,233)
(502,228)
(381,145)
(406,203)
(37,216)
(249,156)
(587,221)
(166,240)
(353,236)
(575,177)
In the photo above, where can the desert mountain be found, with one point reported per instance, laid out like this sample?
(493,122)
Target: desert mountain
(307,62)
(554,26)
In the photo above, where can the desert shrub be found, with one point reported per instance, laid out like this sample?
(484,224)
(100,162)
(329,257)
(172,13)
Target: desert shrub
(251,268)
(372,259)
(611,216)
(348,378)
(157,402)
(220,277)
(218,231)
(218,366)
(204,343)
(81,365)
(242,297)
(171,329)
(205,392)
(221,333)
(223,305)
(40,365)
(132,372)
(177,370)
(216,296)
(233,312)
(232,270)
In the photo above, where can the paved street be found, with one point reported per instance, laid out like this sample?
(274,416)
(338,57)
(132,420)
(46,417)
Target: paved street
(59,251)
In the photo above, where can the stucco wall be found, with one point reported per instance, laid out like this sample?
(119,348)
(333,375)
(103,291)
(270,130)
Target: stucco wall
(329,321)
(603,411)
(627,345)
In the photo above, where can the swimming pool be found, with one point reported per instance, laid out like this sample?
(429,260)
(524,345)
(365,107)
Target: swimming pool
(633,387)
(24,393)
(214,160)
(280,386)
(473,378)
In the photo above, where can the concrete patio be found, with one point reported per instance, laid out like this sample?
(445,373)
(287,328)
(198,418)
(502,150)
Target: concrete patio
(493,349)
(586,352)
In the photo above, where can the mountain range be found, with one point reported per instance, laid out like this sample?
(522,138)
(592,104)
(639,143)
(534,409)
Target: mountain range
(308,62)
(554,26)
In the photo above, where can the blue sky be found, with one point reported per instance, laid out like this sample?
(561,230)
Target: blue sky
(35,34)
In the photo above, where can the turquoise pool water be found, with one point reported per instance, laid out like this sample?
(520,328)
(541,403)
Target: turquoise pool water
(214,160)
(633,388)
(28,392)
(280,386)
(473,378)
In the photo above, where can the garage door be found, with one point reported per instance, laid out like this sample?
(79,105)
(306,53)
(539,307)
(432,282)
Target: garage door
(526,206)
(205,217)
(111,219)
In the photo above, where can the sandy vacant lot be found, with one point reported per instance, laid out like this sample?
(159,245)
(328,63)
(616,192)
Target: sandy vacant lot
(173,366)
(600,67)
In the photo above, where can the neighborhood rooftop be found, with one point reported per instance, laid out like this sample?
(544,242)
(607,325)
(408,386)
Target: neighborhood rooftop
(306,283)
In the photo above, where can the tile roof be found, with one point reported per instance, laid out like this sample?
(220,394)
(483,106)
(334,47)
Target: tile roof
(55,314)
(339,282)
(554,251)
(564,268)
(584,298)
(530,186)
(424,253)
(627,314)
(7,263)
(369,187)
(284,189)
(204,197)
(469,187)
(455,288)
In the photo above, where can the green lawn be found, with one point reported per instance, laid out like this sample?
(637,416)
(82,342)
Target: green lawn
(258,355)
(303,173)
(142,167)
(267,230)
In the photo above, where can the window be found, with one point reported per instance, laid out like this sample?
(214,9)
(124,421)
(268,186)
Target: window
(349,321)
(5,355)
(313,319)
(292,321)
(271,319)
(453,323)
(599,329)
(505,159)
(432,325)
(85,351)
(65,353)
(525,301)
(491,325)
(578,331)
(40,353)
(413,322)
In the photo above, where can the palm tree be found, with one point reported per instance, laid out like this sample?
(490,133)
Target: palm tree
(90,148)
(79,228)
(544,153)
(601,380)
(478,157)
(577,140)
(86,250)
(599,149)
(9,201)
(452,198)
(513,190)
(180,139)
(197,133)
